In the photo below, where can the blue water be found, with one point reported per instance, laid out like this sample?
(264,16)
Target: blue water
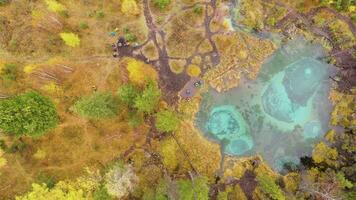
(280,115)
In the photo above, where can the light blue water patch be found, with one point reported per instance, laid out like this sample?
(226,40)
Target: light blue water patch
(283,162)
(281,115)
(288,94)
(312,130)
(225,123)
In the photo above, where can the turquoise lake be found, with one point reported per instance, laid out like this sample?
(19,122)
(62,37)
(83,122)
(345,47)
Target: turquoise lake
(280,115)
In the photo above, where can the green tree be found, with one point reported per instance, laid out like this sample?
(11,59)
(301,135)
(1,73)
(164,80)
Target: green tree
(29,113)
(96,106)
(269,187)
(127,94)
(162,4)
(149,98)
(167,121)
(196,189)
(101,194)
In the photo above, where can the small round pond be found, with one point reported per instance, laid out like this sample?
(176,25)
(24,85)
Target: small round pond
(280,115)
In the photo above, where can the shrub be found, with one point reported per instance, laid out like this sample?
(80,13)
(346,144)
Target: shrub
(162,4)
(70,39)
(55,6)
(149,98)
(193,70)
(99,14)
(83,25)
(129,7)
(29,113)
(9,72)
(96,106)
(167,121)
(198,10)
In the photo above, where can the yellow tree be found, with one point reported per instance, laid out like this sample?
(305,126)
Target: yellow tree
(70,39)
(139,72)
(129,7)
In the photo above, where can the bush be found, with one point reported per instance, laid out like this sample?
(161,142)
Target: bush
(162,4)
(29,113)
(99,14)
(83,25)
(129,7)
(167,121)
(198,10)
(96,106)
(9,72)
(70,39)
(55,6)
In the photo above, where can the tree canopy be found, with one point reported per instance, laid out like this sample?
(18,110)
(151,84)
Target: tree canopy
(96,106)
(29,113)
(149,98)
(197,190)
(269,187)
(127,94)
(166,121)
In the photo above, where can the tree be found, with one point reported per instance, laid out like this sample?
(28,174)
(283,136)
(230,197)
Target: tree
(29,113)
(269,187)
(162,4)
(70,39)
(149,98)
(96,106)
(80,189)
(55,6)
(193,189)
(129,7)
(127,94)
(101,194)
(120,180)
(167,121)
(139,72)
(323,153)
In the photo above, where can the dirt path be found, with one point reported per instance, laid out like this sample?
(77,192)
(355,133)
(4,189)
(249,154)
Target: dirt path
(170,82)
